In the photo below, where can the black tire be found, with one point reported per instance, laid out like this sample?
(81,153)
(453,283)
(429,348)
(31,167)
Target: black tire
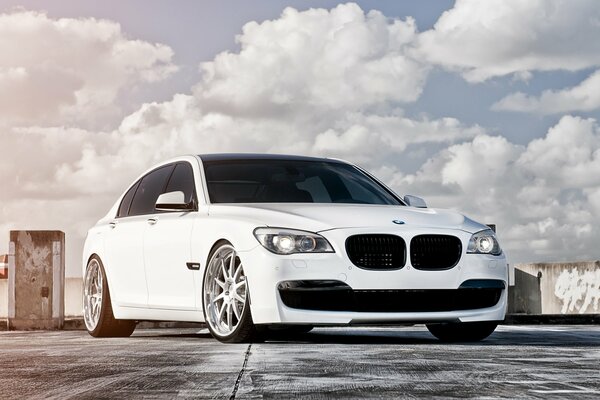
(108,325)
(462,331)
(245,331)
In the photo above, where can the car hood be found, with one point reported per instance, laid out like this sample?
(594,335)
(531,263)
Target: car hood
(321,217)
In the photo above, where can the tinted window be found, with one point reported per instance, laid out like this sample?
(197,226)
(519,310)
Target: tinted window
(126,202)
(182,180)
(151,186)
(262,181)
(316,188)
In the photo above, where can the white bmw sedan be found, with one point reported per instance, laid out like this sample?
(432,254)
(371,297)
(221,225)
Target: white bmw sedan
(252,243)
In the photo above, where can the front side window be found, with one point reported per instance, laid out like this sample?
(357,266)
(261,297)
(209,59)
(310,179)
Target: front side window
(126,202)
(150,187)
(182,180)
(275,181)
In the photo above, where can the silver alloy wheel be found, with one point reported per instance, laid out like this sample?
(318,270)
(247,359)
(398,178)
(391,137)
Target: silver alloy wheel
(92,295)
(224,291)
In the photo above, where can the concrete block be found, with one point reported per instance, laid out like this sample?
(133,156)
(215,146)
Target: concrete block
(73,297)
(36,275)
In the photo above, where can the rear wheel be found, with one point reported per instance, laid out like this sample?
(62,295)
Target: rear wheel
(462,331)
(226,297)
(97,308)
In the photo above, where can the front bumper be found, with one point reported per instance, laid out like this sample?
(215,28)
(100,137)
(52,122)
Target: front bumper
(266,272)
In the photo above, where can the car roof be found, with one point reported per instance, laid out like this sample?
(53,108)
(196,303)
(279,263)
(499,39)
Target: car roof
(261,156)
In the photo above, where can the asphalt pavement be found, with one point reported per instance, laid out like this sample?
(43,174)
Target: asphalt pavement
(406,362)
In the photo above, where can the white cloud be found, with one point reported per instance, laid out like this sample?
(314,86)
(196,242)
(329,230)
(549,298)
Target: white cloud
(594,199)
(569,155)
(484,39)
(316,82)
(309,82)
(583,97)
(70,70)
(544,197)
(364,138)
(339,59)
(302,83)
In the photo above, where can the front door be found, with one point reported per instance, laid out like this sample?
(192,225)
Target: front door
(125,263)
(168,249)
(167,252)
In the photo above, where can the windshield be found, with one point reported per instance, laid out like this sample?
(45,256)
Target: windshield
(292,181)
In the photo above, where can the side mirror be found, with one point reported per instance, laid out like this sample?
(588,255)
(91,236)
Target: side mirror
(415,201)
(173,201)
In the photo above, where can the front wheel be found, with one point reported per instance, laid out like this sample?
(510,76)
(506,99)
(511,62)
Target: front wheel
(97,308)
(462,331)
(226,297)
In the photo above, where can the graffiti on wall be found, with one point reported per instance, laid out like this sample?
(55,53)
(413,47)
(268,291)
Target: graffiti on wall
(579,291)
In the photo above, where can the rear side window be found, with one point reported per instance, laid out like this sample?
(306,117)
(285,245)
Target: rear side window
(150,187)
(182,180)
(126,202)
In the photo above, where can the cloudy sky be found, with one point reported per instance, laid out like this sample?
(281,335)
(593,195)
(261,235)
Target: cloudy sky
(489,107)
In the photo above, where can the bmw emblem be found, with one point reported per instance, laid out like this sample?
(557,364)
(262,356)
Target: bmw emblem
(398,222)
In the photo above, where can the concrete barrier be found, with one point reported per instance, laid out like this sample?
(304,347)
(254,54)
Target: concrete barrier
(36,273)
(73,297)
(524,296)
(562,288)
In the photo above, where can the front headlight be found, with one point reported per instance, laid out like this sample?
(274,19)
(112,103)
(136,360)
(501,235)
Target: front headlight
(290,241)
(484,242)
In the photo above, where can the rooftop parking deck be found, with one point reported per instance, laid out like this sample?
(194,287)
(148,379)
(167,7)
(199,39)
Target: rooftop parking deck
(516,361)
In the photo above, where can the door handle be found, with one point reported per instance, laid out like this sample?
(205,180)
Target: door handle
(112,225)
(152,221)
